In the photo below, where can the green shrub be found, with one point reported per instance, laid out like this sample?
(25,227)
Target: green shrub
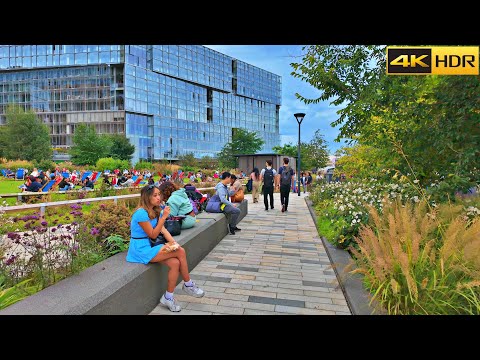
(418,260)
(111,164)
(45,165)
(108,219)
(143,165)
(17,164)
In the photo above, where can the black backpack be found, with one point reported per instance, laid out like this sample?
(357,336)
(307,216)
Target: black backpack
(268,178)
(286,177)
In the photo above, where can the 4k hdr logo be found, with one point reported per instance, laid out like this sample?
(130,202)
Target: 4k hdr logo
(432,60)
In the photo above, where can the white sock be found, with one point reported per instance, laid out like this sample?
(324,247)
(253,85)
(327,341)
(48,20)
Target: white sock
(168,295)
(189,283)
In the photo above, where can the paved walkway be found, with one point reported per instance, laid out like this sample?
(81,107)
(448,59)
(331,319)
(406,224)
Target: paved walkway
(276,265)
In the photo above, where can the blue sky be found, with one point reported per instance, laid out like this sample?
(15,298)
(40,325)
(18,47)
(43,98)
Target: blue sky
(277,59)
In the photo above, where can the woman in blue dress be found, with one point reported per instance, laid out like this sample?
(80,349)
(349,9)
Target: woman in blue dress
(147,222)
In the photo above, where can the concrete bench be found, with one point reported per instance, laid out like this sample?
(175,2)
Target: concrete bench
(117,287)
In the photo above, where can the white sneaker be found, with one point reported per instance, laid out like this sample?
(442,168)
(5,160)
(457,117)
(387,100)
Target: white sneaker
(171,304)
(193,290)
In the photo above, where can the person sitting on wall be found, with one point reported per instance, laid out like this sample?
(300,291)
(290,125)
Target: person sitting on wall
(179,203)
(147,222)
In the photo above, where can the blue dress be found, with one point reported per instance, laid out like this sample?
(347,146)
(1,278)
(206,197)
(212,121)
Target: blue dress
(139,250)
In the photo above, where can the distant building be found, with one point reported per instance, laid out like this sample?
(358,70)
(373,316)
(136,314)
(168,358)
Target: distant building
(168,100)
(248,161)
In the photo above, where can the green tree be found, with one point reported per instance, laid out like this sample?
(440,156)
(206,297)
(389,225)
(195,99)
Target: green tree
(287,150)
(188,160)
(88,147)
(316,151)
(121,147)
(314,154)
(24,136)
(208,162)
(243,142)
(428,124)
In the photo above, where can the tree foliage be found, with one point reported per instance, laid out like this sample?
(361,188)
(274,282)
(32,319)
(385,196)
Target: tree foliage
(24,136)
(313,154)
(121,147)
(88,147)
(428,124)
(243,142)
(208,162)
(287,150)
(188,160)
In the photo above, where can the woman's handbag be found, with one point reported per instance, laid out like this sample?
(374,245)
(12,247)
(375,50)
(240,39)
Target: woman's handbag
(160,240)
(173,224)
(213,205)
(249,185)
(238,196)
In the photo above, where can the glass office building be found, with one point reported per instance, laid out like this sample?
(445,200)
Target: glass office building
(169,100)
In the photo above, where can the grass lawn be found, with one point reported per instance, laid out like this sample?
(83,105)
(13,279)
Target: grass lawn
(8,186)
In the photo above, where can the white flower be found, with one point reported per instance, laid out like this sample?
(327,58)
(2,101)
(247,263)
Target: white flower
(416,181)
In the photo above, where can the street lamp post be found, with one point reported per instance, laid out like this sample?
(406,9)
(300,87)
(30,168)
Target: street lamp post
(299,117)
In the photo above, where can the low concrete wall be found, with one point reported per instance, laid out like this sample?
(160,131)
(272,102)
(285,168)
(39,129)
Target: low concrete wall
(117,287)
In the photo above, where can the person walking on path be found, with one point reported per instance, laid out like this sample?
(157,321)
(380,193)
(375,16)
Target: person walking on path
(255,176)
(268,176)
(147,222)
(227,207)
(286,175)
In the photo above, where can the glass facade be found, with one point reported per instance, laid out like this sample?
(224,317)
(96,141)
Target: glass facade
(169,100)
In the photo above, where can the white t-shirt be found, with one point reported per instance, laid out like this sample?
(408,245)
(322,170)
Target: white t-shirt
(268,167)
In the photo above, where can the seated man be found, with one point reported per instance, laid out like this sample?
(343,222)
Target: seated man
(64,185)
(227,207)
(128,182)
(88,184)
(10,173)
(35,186)
(106,180)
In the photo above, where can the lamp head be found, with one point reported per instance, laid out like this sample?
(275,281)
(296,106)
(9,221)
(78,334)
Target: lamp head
(299,117)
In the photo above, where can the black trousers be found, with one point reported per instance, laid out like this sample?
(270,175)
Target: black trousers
(284,195)
(268,191)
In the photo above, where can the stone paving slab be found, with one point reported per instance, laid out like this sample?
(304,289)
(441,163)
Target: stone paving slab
(277,265)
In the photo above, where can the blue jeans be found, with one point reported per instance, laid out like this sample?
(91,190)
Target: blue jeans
(233,213)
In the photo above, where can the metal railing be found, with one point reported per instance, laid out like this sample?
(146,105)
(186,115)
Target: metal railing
(43,206)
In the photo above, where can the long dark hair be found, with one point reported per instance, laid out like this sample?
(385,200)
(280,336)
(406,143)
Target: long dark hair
(167,188)
(145,195)
(256,172)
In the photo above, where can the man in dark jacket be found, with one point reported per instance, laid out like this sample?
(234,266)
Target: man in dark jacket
(35,186)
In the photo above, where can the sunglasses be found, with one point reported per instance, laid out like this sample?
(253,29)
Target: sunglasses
(151,186)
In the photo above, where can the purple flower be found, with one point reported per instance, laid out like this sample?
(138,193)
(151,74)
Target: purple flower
(44,223)
(94,231)
(10,260)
